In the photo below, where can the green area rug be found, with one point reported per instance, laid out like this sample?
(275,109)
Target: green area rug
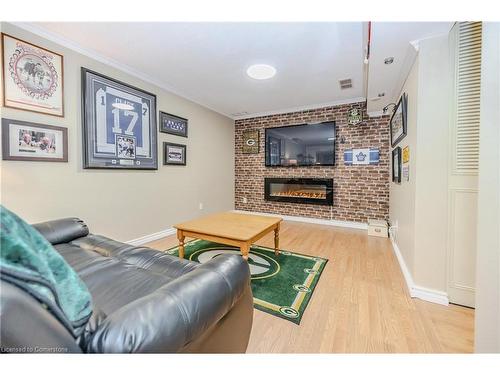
(281,285)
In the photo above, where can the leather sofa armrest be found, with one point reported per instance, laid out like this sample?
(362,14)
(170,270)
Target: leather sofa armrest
(27,327)
(176,314)
(62,230)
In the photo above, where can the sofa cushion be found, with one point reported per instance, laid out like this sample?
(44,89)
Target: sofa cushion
(112,282)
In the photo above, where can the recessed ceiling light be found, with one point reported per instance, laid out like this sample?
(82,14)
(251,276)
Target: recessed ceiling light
(388,60)
(261,71)
(124,106)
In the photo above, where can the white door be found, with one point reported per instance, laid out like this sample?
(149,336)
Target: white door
(465,40)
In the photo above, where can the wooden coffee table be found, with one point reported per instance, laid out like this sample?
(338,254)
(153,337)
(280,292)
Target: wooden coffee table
(230,228)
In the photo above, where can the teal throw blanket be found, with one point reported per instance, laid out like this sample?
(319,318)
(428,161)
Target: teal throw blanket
(30,262)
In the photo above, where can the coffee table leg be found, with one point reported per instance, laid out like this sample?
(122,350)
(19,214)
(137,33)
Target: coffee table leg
(277,240)
(181,237)
(245,249)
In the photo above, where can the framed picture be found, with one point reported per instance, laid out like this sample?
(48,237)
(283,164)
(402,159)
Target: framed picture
(406,155)
(33,142)
(251,142)
(354,116)
(396,165)
(172,124)
(32,77)
(174,154)
(398,121)
(119,124)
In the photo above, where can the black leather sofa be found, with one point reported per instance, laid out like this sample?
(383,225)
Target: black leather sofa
(143,300)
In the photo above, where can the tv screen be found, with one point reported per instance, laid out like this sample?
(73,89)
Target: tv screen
(301,145)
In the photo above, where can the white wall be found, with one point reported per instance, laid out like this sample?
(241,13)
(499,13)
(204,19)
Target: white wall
(121,204)
(431,198)
(418,208)
(488,244)
(402,196)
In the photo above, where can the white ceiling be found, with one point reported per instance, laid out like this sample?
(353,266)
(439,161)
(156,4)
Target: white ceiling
(398,40)
(207,62)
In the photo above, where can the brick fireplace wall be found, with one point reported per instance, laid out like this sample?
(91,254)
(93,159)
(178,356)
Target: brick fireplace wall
(359,192)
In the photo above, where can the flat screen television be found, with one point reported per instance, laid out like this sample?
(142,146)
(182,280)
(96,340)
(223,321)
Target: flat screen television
(301,145)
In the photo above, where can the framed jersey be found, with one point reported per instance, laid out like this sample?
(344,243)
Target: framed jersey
(119,124)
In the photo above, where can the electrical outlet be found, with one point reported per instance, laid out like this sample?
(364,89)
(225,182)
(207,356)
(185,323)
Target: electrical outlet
(201,206)
(245,200)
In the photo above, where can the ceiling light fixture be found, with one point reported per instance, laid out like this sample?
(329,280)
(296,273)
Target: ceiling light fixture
(261,71)
(388,60)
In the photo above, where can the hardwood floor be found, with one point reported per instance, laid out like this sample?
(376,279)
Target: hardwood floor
(360,305)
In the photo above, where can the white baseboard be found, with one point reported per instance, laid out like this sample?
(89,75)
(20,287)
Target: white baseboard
(152,237)
(430,295)
(417,291)
(335,223)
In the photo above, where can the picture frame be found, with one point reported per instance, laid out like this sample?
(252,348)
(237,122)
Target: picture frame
(119,124)
(174,154)
(396,165)
(29,141)
(32,76)
(398,121)
(251,143)
(354,116)
(172,124)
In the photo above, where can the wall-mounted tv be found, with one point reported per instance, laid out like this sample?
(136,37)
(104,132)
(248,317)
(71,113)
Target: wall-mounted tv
(301,145)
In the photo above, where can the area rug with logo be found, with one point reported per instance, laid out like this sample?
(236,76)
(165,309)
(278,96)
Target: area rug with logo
(282,285)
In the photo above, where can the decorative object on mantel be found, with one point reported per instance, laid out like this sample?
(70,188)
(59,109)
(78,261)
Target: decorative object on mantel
(119,124)
(32,77)
(172,124)
(396,165)
(361,156)
(174,154)
(398,121)
(250,142)
(354,116)
(29,141)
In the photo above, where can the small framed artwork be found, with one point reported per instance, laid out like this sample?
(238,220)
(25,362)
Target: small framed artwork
(172,124)
(251,142)
(32,77)
(174,154)
(29,141)
(396,165)
(398,123)
(406,155)
(119,124)
(354,116)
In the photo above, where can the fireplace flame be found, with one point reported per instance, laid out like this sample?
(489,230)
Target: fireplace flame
(300,194)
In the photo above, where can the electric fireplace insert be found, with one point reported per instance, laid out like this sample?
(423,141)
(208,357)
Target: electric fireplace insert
(299,190)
